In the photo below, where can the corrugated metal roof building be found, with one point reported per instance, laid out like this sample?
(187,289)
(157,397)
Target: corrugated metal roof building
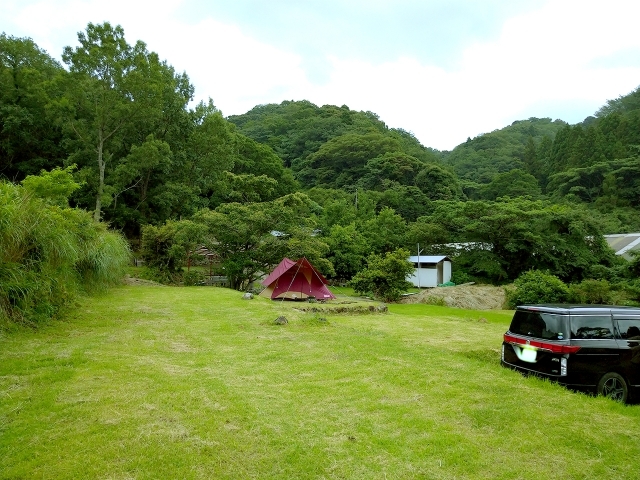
(624,243)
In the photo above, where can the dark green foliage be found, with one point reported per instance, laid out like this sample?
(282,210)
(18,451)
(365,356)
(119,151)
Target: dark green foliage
(385,232)
(622,104)
(295,130)
(591,291)
(502,239)
(335,147)
(385,276)
(409,202)
(438,183)
(30,137)
(534,287)
(459,277)
(192,278)
(250,239)
(515,183)
(341,161)
(347,250)
(165,248)
(607,184)
(480,159)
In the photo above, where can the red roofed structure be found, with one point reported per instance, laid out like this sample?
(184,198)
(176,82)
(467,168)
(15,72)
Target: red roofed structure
(296,280)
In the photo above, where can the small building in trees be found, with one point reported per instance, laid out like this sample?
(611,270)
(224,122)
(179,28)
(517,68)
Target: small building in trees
(430,270)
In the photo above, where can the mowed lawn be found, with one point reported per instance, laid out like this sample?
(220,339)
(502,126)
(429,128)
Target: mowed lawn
(179,383)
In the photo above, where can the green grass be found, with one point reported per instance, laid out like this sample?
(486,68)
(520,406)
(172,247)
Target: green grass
(163,382)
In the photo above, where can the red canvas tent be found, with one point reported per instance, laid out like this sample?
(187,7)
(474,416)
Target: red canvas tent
(296,280)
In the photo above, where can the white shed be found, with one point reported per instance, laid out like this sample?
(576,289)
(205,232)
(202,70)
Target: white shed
(430,270)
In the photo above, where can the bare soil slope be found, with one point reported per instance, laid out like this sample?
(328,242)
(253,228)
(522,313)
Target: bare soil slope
(471,297)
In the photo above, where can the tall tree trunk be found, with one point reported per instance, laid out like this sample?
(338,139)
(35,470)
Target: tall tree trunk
(97,212)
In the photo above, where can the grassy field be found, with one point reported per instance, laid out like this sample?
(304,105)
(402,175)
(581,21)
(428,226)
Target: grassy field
(159,382)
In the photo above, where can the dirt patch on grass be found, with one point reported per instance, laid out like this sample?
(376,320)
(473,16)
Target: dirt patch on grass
(128,280)
(333,308)
(470,297)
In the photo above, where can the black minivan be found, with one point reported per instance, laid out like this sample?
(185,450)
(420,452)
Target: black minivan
(586,347)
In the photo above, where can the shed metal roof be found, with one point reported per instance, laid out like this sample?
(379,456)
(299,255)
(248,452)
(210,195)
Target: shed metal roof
(429,258)
(623,243)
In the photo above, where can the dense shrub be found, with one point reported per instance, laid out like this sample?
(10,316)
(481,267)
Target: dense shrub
(460,276)
(591,292)
(50,253)
(192,278)
(384,277)
(165,248)
(535,286)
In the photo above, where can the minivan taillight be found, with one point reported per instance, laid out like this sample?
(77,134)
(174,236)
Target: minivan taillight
(549,346)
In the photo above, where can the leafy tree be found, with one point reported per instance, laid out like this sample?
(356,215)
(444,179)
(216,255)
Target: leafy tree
(386,232)
(515,183)
(622,104)
(500,240)
(480,159)
(341,161)
(295,130)
(409,202)
(111,85)
(385,276)
(54,187)
(347,250)
(29,138)
(438,183)
(165,248)
(250,239)
(397,167)
(591,291)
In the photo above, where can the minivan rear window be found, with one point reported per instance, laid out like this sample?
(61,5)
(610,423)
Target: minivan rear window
(540,325)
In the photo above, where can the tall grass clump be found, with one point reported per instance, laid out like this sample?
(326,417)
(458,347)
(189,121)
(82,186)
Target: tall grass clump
(50,253)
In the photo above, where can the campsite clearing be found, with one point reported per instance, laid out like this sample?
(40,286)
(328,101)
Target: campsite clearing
(196,383)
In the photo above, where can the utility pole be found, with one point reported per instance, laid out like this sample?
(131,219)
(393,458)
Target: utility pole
(418,272)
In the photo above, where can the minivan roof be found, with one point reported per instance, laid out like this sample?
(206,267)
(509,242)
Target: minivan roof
(584,309)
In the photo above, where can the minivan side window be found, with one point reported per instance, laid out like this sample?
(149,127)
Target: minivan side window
(540,325)
(591,327)
(629,329)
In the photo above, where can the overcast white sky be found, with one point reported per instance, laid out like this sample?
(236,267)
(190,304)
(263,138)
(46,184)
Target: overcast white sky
(442,69)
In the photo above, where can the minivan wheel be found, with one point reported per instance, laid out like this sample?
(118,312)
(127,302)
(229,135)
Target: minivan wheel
(613,386)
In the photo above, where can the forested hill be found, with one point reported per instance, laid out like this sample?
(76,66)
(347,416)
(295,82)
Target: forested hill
(335,147)
(595,161)
(144,156)
(480,159)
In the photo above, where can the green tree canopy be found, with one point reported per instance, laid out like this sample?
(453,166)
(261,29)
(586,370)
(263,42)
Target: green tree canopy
(384,276)
(500,240)
(30,139)
(250,239)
